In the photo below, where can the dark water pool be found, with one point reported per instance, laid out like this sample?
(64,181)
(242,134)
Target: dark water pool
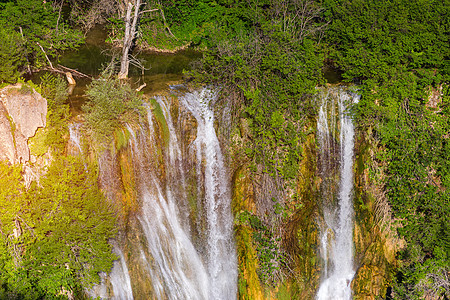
(159,69)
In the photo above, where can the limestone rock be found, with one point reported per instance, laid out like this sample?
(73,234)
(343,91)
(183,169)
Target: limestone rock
(23,111)
(7,150)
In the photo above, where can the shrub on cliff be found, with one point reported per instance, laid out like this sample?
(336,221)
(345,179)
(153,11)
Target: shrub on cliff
(111,104)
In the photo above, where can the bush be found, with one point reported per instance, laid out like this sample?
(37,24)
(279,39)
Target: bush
(12,55)
(111,104)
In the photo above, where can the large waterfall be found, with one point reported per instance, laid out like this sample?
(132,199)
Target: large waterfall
(336,159)
(185,256)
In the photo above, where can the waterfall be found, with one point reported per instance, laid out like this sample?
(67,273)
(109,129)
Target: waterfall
(179,265)
(120,278)
(337,231)
(221,256)
(74,139)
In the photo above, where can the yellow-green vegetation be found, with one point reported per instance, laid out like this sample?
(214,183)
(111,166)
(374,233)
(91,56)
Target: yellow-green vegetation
(54,236)
(243,203)
(301,233)
(376,241)
(161,120)
(111,105)
(129,197)
(121,138)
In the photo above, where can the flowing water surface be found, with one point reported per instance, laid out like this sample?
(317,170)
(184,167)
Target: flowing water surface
(180,265)
(336,159)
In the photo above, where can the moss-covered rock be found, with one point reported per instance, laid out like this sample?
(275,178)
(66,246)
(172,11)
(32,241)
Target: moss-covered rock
(374,235)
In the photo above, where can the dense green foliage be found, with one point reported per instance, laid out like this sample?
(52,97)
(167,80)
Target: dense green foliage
(28,25)
(11,54)
(378,40)
(111,104)
(54,236)
(399,52)
(267,56)
(415,144)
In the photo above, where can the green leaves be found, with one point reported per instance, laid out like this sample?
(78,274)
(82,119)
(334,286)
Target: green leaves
(373,38)
(54,236)
(12,55)
(111,104)
(26,24)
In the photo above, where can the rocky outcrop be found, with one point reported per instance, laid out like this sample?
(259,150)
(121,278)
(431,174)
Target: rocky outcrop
(7,148)
(22,112)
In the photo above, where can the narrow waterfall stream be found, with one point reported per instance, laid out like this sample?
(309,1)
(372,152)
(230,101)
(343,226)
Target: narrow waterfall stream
(336,167)
(120,278)
(74,147)
(221,256)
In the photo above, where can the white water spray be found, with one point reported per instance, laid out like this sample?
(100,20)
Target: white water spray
(337,232)
(178,267)
(74,139)
(120,278)
(222,262)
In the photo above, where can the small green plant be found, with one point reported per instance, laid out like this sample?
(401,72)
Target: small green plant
(111,104)
(54,89)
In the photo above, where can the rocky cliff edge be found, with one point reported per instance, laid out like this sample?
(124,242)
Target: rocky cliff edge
(22,112)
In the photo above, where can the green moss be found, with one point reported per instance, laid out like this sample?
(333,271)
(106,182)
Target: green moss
(37,143)
(159,116)
(121,138)
(284,293)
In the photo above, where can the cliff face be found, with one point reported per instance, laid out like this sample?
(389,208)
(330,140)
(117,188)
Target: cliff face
(298,232)
(278,256)
(22,112)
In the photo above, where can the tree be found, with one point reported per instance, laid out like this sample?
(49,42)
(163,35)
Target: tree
(132,7)
(131,11)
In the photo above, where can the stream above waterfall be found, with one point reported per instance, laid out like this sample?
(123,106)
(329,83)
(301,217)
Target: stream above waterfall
(160,69)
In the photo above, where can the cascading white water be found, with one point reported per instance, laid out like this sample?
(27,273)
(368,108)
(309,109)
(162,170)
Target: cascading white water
(175,267)
(178,268)
(221,260)
(74,139)
(337,232)
(120,278)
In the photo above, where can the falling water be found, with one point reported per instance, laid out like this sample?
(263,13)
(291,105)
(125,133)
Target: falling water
(221,256)
(120,278)
(337,232)
(74,139)
(178,267)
